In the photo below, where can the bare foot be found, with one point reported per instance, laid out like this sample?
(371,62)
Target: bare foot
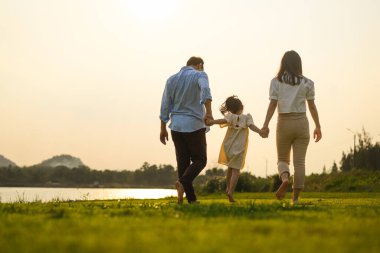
(230,198)
(180,191)
(281,192)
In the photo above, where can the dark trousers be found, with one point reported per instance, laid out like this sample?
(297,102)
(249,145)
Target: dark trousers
(190,149)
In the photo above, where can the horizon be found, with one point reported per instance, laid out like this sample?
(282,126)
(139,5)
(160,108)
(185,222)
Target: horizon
(85,78)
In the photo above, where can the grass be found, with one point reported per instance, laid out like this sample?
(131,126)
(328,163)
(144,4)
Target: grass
(323,222)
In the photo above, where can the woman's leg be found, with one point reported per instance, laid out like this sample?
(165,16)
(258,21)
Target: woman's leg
(299,154)
(284,143)
(281,191)
(234,178)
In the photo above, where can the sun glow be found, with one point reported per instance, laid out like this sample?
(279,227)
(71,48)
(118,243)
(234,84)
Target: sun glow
(151,10)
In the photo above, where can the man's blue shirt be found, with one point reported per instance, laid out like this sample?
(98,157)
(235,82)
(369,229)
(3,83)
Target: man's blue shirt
(183,100)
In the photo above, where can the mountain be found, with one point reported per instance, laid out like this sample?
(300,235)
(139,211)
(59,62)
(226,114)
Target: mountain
(4,162)
(63,160)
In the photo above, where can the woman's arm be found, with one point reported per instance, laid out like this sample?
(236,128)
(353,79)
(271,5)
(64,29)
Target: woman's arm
(314,114)
(271,109)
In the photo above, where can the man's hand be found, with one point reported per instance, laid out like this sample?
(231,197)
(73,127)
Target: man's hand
(207,119)
(164,137)
(209,122)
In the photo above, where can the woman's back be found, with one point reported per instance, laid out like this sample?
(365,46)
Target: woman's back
(291,98)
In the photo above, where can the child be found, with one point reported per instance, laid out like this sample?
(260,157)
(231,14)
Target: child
(235,143)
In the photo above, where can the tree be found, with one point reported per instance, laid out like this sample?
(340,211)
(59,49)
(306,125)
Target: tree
(334,168)
(366,154)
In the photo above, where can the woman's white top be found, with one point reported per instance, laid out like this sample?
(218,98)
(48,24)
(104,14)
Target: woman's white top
(291,98)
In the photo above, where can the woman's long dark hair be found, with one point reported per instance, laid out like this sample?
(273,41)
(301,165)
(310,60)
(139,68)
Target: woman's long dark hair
(291,68)
(232,104)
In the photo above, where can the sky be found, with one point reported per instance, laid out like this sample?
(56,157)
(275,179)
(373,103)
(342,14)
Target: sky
(85,77)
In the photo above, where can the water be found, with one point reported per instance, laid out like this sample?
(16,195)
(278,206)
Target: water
(32,194)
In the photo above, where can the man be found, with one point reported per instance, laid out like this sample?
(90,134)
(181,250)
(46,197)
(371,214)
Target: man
(186,102)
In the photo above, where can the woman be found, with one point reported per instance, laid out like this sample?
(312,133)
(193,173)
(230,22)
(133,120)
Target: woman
(288,91)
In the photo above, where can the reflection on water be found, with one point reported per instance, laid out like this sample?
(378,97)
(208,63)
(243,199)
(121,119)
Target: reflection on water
(27,194)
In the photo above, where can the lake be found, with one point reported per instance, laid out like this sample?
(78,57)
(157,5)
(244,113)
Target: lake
(32,194)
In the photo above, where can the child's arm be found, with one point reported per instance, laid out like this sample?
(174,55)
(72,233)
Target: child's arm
(254,128)
(211,122)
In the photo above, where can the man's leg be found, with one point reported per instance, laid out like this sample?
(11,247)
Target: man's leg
(181,151)
(183,159)
(197,146)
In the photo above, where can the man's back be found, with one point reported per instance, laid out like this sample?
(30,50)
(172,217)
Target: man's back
(183,99)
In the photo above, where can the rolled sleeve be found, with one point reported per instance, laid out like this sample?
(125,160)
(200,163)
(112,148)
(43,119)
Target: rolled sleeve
(273,90)
(166,106)
(205,89)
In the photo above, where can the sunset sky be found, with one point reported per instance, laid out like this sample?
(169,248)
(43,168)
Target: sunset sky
(85,77)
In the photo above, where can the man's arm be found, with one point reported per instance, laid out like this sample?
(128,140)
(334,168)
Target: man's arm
(208,115)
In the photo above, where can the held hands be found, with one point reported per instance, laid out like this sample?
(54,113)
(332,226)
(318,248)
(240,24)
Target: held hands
(264,132)
(209,120)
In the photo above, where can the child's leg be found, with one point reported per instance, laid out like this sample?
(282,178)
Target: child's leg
(234,178)
(228,179)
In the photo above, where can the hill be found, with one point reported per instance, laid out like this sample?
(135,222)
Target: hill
(4,162)
(63,160)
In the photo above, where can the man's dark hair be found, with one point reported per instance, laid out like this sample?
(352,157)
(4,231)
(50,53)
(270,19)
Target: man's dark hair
(193,61)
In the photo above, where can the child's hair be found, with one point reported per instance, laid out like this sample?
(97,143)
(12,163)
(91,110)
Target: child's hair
(232,105)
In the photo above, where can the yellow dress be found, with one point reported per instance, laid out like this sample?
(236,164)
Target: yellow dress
(235,143)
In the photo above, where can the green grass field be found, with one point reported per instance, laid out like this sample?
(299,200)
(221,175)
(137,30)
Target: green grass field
(323,222)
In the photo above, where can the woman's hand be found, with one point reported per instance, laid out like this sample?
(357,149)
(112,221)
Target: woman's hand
(317,134)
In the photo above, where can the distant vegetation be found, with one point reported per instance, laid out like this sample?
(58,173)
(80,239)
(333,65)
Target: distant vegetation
(61,176)
(359,170)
